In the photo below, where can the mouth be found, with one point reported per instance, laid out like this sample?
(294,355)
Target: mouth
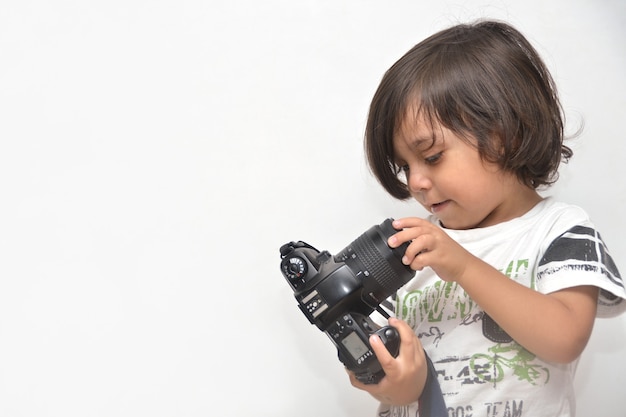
(434,208)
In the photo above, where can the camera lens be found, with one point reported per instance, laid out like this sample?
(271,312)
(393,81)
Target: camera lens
(379,266)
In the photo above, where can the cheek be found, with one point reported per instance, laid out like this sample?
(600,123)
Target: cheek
(470,181)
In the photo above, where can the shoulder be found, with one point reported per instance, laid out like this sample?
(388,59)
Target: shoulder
(555,218)
(570,234)
(561,212)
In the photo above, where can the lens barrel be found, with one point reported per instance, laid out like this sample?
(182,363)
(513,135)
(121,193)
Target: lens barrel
(382,266)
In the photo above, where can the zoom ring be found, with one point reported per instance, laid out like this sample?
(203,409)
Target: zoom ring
(375,263)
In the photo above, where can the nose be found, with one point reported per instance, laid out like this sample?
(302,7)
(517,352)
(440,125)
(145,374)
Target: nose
(417,180)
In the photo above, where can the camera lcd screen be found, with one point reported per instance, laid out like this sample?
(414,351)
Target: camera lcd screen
(355,345)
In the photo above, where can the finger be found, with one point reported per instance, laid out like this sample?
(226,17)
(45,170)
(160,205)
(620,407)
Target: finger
(406,235)
(414,256)
(419,244)
(409,343)
(380,350)
(408,228)
(411,348)
(405,222)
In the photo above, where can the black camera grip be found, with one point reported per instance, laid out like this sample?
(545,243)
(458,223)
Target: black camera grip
(351,334)
(390,338)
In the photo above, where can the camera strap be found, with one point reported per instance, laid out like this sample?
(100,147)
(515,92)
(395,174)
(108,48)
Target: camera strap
(431,402)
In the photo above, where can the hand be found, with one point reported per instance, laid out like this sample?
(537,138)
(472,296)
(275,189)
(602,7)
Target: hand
(430,246)
(405,375)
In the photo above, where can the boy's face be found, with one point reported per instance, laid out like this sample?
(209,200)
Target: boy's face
(449,178)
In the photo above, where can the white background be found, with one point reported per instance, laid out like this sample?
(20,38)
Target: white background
(155,154)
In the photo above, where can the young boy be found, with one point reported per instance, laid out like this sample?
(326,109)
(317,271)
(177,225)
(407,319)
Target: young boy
(509,283)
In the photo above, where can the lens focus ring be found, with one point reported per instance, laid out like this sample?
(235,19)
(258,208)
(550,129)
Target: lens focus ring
(378,267)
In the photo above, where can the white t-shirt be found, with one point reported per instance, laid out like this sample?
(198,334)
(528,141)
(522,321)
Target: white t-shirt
(481,370)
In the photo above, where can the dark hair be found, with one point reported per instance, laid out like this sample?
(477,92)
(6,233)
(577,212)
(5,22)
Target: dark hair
(482,80)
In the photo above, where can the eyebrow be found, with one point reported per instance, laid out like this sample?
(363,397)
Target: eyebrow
(416,145)
(419,141)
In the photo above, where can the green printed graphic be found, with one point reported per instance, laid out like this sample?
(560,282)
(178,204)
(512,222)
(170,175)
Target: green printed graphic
(512,356)
(434,304)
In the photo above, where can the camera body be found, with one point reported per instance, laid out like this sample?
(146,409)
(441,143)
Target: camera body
(338,293)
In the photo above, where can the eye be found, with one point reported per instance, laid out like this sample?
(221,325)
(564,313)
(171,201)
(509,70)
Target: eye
(401,169)
(432,160)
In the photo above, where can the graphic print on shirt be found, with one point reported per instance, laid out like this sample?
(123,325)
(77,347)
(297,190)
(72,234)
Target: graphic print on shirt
(509,357)
(431,309)
(436,303)
(446,301)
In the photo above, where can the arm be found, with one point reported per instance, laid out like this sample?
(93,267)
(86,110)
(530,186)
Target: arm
(555,327)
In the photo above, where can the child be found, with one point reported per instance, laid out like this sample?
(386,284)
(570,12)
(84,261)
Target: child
(509,283)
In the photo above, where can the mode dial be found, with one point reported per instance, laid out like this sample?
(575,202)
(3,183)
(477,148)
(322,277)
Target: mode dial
(294,268)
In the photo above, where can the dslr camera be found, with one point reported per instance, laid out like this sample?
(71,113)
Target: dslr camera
(339,293)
